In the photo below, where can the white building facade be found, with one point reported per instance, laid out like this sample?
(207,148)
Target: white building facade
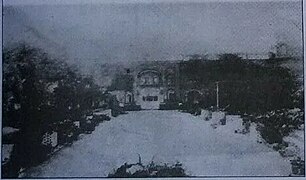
(153,85)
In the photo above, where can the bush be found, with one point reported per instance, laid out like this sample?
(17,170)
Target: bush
(244,86)
(274,92)
(277,124)
(40,93)
(151,170)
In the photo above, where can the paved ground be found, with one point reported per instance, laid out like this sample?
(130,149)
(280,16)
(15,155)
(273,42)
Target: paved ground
(165,137)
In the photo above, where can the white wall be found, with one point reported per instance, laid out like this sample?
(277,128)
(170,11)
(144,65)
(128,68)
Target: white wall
(149,91)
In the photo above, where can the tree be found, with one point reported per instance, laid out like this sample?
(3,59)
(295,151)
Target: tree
(243,85)
(41,94)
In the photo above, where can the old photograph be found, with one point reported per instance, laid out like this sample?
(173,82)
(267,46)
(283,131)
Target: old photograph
(152,88)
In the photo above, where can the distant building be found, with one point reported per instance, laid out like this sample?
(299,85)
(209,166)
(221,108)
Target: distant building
(163,84)
(147,85)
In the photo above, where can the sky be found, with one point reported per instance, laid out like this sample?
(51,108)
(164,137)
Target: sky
(133,30)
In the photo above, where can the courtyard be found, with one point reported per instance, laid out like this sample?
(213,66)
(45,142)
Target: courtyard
(166,137)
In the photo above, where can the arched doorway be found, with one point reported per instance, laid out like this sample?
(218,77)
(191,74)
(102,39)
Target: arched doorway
(128,98)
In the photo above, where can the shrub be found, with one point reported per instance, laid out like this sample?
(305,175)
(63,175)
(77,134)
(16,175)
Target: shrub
(38,93)
(244,86)
(151,170)
(277,124)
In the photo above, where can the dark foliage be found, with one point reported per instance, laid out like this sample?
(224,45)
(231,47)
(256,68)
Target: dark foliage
(244,87)
(41,94)
(122,82)
(275,125)
(151,170)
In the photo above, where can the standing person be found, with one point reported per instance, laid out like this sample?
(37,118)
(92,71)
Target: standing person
(247,126)
(246,123)
(197,109)
(114,106)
